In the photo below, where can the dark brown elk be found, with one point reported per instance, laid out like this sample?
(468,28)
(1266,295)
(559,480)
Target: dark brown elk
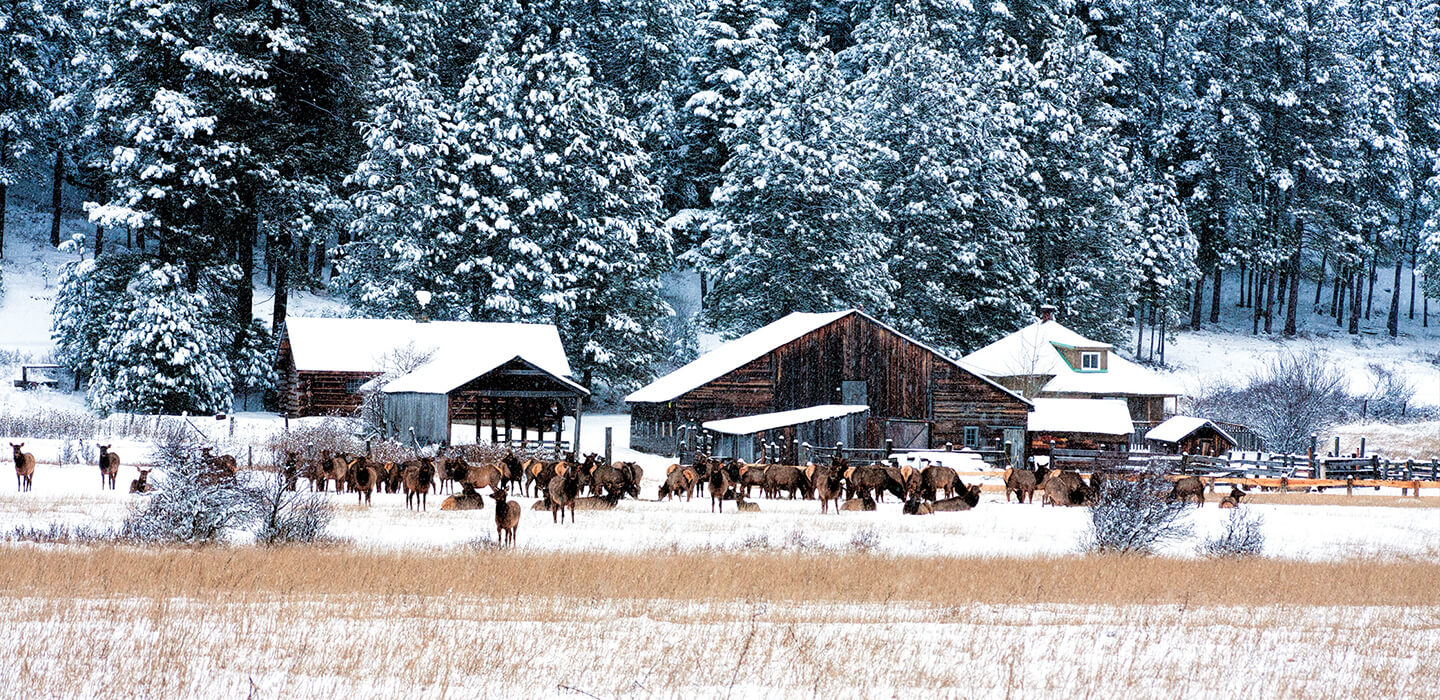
(417,477)
(679,480)
(745,506)
(1187,488)
(562,491)
(507,518)
(864,502)
(142,483)
(936,479)
(512,472)
(109,467)
(315,471)
(24,468)
(1233,500)
(969,498)
(443,481)
(828,485)
(607,502)
(1065,488)
(915,506)
(702,467)
(540,472)
(783,477)
(467,499)
(485,476)
(752,475)
(872,479)
(218,468)
(905,479)
(1022,483)
(336,470)
(719,483)
(363,478)
(619,479)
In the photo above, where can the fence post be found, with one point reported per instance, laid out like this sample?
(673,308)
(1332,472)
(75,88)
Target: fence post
(1375,466)
(1349,486)
(889,446)
(804,452)
(250,450)
(1362,446)
(949,447)
(609,443)
(1337,447)
(1320,464)
(1409,469)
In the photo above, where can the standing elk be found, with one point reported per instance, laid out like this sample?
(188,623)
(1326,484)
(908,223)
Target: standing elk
(937,478)
(1022,483)
(904,478)
(828,485)
(109,467)
(720,483)
(564,488)
(24,468)
(1065,488)
(417,477)
(678,479)
(290,471)
(1187,488)
(363,478)
(752,475)
(507,518)
(783,477)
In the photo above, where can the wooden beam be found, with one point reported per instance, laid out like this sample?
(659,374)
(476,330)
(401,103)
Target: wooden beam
(521,394)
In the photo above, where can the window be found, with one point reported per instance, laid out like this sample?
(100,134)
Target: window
(972,436)
(1089,360)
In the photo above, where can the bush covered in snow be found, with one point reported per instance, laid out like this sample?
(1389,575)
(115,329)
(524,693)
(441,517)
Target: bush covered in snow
(1242,537)
(1131,515)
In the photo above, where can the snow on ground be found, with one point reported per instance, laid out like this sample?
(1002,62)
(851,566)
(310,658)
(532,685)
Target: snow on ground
(71,495)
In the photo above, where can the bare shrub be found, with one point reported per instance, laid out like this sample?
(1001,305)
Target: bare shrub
(309,441)
(1287,400)
(754,542)
(57,533)
(1243,536)
(865,540)
(797,539)
(1132,516)
(398,363)
(190,505)
(288,517)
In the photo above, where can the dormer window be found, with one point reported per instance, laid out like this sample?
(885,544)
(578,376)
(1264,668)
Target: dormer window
(1090,361)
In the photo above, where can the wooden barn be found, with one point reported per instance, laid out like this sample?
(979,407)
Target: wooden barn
(1080,424)
(506,380)
(1189,435)
(917,397)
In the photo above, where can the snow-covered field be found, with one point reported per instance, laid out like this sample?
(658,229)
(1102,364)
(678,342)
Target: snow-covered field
(71,495)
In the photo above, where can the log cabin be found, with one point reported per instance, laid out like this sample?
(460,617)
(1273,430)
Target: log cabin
(1190,435)
(916,397)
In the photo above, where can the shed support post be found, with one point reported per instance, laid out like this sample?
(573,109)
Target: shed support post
(609,444)
(560,424)
(575,445)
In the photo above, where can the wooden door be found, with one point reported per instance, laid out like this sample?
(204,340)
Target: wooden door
(908,435)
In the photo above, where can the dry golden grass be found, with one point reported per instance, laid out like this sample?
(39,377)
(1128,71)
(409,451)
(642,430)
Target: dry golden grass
(773,576)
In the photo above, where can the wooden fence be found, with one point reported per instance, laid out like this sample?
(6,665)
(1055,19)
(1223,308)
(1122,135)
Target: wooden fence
(1243,465)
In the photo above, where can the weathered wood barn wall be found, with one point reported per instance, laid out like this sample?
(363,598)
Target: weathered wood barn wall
(916,396)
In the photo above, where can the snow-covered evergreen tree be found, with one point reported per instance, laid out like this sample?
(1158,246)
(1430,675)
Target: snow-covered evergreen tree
(1160,231)
(29,30)
(796,224)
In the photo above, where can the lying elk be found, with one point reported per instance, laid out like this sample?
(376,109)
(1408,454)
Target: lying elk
(507,518)
(969,498)
(109,467)
(1233,500)
(467,499)
(24,468)
(142,483)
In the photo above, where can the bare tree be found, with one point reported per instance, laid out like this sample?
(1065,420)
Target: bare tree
(1131,515)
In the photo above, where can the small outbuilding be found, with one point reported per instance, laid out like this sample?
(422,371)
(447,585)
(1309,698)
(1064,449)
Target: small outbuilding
(1190,435)
(1080,424)
(745,438)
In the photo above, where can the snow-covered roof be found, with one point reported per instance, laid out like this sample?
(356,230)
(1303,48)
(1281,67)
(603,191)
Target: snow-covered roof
(1180,427)
(749,425)
(756,344)
(459,351)
(1035,351)
(1100,416)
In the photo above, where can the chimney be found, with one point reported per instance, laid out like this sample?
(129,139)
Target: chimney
(423,297)
(1047,313)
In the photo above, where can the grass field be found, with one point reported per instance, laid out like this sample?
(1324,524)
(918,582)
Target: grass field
(246,622)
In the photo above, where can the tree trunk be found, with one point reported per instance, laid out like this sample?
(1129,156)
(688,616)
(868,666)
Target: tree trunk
(1293,303)
(1393,323)
(99,240)
(1270,302)
(284,251)
(1342,290)
(57,193)
(1215,296)
(1336,298)
(1244,286)
(245,249)
(1256,311)
(1320,283)
(1355,290)
(1197,310)
(319,270)
(1370,295)
(2,216)
(1413,255)
(1139,329)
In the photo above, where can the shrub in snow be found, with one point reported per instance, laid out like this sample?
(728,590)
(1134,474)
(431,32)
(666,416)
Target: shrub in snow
(864,540)
(57,533)
(1243,536)
(1294,396)
(755,541)
(189,504)
(1132,516)
(797,539)
(286,517)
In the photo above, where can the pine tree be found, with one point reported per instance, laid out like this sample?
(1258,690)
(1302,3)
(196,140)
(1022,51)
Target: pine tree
(796,224)
(29,33)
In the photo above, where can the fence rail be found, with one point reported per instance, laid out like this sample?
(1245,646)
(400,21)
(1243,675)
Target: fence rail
(1257,465)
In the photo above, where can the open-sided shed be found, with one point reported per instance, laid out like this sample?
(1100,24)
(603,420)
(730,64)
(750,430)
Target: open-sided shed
(1190,435)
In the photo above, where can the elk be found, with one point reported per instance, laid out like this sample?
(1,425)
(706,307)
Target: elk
(745,506)
(24,468)
(141,484)
(417,478)
(752,475)
(109,467)
(507,518)
(1065,488)
(467,499)
(290,470)
(1021,482)
(363,478)
(915,506)
(780,477)
(828,486)
(864,502)
(511,471)
(719,486)
(1187,488)
(904,478)
(483,476)
(564,488)
(1233,500)
(678,479)
(617,480)
(969,497)
(937,478)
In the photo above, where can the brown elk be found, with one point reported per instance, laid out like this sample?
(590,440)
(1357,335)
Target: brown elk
(363,478)
(679,479)
(1187,488)
(482,477)
(337,469)
(719,482)
(290,471)
(936,479)
(1233,500)
(1065,488)
(969,498)
(562,491)
(142,483)
(1021,482)
(315,471)
(109,467)
(24,468)
(828,485)
(619,479)
(417,477)
(606,502)
(467,499)
(512,472)
(872,479)
(743,505)
(863,503)
(783,477)
(904,480)
(752,475)
(507,518)
(915,506)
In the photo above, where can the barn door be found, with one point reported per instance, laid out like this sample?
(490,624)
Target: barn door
(1016,438)
(908,434)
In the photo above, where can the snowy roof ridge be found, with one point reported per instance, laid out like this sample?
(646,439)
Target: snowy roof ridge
(760,422)
(1099,416)
(1034,351)
(1177,428)
(458,351)
(756,344)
